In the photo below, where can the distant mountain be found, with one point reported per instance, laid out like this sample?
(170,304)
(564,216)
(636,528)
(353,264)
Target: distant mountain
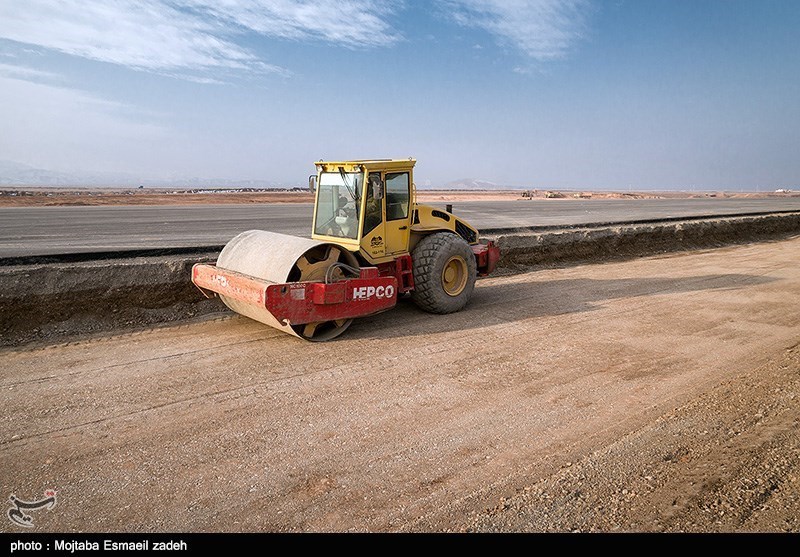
(473,184)
(17,174)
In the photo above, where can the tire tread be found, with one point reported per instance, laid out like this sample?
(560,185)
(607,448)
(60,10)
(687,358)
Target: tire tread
(428,259)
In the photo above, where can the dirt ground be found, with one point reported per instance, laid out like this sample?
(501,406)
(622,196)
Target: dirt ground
(44,197)
(656,394)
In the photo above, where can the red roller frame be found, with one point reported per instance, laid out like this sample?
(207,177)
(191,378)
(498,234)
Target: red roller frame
(486,257)
(303,302)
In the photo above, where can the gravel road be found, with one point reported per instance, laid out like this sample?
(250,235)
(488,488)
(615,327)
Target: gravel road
(653,394)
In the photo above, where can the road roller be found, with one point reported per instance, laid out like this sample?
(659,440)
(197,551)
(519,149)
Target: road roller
(371,242)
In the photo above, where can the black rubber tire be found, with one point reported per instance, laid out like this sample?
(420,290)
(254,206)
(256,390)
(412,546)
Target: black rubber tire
(429,257)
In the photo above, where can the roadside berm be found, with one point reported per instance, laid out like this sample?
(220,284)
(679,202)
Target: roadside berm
(42,301)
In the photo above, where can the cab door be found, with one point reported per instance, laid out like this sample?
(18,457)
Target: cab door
(397,211)
(374,231)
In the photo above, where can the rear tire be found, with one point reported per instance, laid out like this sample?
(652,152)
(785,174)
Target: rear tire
(444,273)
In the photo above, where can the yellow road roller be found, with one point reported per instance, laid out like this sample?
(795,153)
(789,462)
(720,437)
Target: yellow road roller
(370,243)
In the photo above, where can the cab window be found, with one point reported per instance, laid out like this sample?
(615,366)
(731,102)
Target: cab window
(338,200)
(397,195)
(373,215)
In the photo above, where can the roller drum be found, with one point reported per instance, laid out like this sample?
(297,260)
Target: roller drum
(278,259)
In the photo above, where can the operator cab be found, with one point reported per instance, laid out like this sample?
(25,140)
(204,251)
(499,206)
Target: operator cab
(365,206)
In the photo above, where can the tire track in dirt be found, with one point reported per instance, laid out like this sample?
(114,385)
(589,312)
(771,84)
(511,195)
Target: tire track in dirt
(410,421)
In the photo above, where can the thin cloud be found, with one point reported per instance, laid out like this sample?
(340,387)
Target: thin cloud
(66,123)
(24,72)
(543,30)
(196,79)
(142,34)
(73,97)
(190,35)
(353,23)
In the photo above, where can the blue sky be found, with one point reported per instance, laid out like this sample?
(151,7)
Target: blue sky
(540,93)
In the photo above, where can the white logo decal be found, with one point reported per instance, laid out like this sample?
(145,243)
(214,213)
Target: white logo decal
(367,292)
(298,293)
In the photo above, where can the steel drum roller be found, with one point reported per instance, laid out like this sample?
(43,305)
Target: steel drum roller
(278,259)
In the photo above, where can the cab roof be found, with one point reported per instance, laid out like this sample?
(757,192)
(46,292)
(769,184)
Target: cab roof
(388,164)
